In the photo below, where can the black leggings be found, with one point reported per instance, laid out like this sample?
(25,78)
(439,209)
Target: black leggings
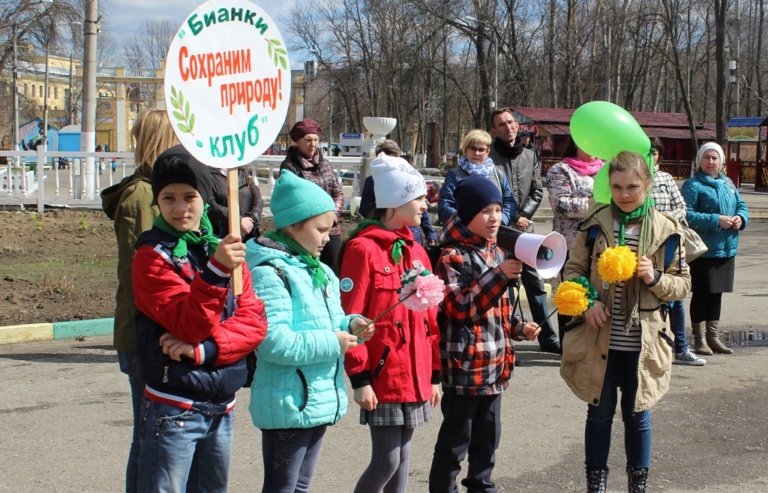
(705,306)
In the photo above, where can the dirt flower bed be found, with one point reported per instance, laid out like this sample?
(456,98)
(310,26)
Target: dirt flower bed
(61,265)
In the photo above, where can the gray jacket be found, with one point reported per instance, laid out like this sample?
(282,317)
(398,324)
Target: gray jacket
(523,171)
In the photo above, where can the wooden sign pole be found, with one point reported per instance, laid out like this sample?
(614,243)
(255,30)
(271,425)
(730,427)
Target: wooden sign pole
(233,203)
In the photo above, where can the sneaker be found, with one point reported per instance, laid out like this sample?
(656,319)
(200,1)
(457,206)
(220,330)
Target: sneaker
(686,357)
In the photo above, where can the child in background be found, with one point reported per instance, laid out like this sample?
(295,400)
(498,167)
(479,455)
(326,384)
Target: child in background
(298,387)
(395,374)
(476,332)
(192,333)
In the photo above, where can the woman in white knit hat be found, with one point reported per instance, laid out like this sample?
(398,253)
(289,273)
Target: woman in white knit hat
(717,212)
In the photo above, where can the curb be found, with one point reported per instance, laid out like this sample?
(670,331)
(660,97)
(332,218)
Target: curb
(13,334)
(59,330)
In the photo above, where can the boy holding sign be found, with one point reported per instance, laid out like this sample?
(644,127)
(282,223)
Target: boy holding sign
(193,333)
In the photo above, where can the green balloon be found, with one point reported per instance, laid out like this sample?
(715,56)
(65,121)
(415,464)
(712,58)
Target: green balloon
(601,189)
(602,129)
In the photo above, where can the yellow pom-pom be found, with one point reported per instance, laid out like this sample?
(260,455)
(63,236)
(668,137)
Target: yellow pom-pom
(571,299)
(617,264)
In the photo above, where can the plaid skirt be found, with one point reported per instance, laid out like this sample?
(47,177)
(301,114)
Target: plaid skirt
(408,414)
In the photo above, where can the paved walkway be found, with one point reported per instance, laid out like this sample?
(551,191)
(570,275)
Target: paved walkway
(66,422)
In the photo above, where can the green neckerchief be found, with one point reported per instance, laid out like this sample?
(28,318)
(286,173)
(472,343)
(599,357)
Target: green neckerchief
(205,235)
(625,217)
(397,246)
(319,279)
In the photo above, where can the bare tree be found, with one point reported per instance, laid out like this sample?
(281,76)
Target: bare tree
(149,46)
(422,60)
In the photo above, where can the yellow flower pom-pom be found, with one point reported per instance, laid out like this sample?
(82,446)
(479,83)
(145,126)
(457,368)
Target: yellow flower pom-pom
(617,264)
(571,299)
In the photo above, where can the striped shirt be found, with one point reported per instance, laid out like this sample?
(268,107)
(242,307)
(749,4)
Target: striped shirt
(621,338)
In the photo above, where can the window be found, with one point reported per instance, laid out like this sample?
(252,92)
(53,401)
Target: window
(40,91)
(55,93)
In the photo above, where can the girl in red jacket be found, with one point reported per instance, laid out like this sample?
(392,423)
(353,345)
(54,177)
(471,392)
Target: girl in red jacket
(395,374)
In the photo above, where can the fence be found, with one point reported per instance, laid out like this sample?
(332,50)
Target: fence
(76,179)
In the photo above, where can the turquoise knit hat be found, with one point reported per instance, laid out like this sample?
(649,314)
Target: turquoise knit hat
(295,199)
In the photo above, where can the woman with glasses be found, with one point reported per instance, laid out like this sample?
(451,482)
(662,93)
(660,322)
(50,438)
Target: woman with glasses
(475,147)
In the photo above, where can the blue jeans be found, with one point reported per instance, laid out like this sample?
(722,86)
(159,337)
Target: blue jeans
(621,372)
(677,324)
(184,450)
(290,456)
(127,362)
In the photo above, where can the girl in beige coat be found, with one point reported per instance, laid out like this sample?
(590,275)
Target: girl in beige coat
(623,340)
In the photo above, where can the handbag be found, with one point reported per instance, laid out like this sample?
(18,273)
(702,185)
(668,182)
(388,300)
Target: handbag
(694,245)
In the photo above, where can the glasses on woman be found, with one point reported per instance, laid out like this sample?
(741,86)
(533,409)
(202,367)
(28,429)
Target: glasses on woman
(479,150)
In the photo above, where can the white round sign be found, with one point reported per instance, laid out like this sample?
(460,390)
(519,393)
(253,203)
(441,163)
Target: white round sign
(227,82)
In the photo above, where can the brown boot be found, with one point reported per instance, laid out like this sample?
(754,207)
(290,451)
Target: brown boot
(699,341)
(713,339)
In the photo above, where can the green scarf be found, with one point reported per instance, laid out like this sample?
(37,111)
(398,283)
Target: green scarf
(626,217)
(319,279)
(397,246)
(205,235)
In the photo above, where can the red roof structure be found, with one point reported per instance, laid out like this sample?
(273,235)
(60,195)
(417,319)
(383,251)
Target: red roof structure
(663,125)
(550,128)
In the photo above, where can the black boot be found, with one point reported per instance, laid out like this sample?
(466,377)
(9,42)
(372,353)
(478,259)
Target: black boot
(636,479)
(596,480)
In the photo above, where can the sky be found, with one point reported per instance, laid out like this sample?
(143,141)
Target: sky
(127,16)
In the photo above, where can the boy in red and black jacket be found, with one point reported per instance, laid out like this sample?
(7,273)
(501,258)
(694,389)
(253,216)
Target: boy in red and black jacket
(476,333)
(192,333)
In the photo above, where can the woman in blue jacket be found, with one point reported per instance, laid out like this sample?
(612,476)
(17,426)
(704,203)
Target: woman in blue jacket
(298,387)
(717,212)
(476,146)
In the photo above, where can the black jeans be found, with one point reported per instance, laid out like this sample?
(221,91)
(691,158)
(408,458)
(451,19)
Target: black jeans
(471,423)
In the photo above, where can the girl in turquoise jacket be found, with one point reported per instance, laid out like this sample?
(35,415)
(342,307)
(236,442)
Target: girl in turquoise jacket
(298,388)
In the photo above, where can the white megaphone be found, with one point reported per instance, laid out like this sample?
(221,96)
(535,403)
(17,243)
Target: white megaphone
(546,254)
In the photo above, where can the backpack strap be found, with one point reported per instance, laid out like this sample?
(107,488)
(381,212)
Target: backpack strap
(251,359)
(592,233)
(280,274)
(672,244)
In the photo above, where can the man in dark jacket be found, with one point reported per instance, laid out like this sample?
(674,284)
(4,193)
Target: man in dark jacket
(523,172)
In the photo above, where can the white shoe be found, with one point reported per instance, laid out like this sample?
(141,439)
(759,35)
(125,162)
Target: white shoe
(686,357)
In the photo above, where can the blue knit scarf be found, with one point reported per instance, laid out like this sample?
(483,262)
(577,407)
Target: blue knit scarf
(484,169)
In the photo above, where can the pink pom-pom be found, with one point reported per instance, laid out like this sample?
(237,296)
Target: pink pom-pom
(421,290)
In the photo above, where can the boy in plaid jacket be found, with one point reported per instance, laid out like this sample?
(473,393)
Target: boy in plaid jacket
(476,328)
